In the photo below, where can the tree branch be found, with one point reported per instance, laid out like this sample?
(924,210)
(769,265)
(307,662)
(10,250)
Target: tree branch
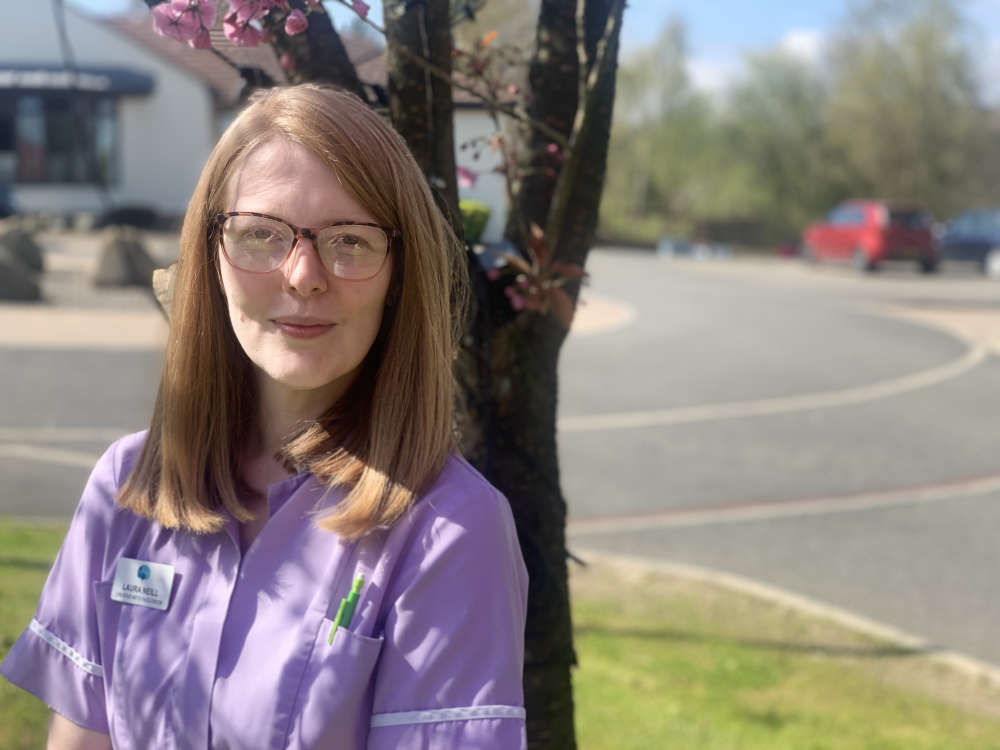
(584,115)
(504,109)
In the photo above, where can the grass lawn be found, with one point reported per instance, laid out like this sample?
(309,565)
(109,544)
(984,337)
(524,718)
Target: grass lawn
(666,663)
(26,553)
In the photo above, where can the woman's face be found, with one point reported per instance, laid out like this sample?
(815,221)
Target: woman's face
(304,329)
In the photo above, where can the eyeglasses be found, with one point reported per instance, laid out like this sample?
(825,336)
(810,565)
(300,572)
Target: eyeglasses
(259,243)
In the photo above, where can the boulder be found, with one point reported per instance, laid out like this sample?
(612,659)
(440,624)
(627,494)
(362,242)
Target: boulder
(163,288)
(124,261)
(17,282)
(23,246)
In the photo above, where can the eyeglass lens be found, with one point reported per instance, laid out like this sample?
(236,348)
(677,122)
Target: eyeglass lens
(260,244)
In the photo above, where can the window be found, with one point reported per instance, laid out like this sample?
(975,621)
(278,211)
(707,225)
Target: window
(909,219)
(64,137)
(847,215)
(854,217)
(8,157)
(962,225)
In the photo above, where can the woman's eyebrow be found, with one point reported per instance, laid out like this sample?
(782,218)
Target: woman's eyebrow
(351,220)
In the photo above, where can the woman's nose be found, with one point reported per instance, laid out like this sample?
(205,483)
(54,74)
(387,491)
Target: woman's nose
(305,273)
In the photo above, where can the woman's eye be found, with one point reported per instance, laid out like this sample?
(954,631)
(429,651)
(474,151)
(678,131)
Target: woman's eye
(259,236)
(348,243)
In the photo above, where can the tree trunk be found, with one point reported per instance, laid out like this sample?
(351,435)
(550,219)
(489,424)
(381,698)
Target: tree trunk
(420,103)
(525,467)
(524,355)
(591,150)
(552,81)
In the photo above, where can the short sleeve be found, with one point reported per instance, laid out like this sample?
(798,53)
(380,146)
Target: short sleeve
(58,657)
(450,671)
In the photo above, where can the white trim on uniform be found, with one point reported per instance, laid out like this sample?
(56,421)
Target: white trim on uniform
(65,649)
(464,713)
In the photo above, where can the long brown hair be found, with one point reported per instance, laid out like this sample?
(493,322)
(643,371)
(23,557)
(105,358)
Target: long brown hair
(387,438)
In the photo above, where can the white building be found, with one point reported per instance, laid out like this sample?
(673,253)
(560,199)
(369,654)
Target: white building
(129,117)
(115,125)
(471,123)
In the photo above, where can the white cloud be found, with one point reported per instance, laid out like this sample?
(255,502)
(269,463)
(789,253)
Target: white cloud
(716,74)
(807,44)
(713,75)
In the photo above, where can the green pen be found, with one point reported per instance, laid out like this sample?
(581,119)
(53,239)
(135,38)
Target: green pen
(346,609)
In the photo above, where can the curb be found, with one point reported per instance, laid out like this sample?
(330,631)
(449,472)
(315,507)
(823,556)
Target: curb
(967,665)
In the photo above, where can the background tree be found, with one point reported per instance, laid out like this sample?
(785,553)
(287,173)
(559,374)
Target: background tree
(893,109)
(555,168)
(906,109)
(661,142)
(776,124)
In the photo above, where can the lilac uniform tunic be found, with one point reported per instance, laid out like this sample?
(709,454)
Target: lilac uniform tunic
(240,658)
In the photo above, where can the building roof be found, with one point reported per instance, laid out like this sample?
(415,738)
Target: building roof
(220,76)
(373,69)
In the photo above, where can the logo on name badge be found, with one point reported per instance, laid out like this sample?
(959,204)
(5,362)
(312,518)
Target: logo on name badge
(147,584)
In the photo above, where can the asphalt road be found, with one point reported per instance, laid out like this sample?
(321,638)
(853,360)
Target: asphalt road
(785,424)
(765,419)
(76,371)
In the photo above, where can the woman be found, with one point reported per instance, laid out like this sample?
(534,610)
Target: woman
(292,556)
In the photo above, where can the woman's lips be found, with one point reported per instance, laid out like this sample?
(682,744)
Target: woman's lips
(303,329)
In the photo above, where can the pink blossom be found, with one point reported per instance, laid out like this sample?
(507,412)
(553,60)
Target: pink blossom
(516,300)
(175,19)
(184,20)
(296,23)
(246,10)
(202,41)
(241,34)
(287,62)
(251,10)
(361,7)
(207,12)
(493,274)
(552,148)
(466,177)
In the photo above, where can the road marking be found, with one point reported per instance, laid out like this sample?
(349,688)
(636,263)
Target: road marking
(975,355)
(45,454)
(62,434)
(598,314)
(746,512)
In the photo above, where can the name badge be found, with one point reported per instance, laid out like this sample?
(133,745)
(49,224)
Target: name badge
(144,583)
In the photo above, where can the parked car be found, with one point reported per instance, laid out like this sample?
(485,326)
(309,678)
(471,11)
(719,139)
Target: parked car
(973,236)
(866,233)
(670,246)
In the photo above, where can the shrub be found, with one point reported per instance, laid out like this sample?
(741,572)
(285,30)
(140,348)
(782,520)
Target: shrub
(475,214)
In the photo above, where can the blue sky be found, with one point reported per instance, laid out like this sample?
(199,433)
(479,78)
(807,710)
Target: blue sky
(720,32)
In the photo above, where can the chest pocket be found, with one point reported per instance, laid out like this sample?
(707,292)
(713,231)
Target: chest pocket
(333,706)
